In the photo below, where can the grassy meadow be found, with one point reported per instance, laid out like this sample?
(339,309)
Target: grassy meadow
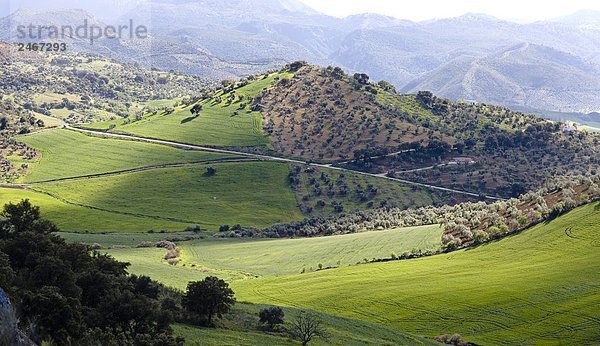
(290,256)
(241,328)
(219,124)
(74,218)
(537,287)
(250,193)
(233,259)
(65,153)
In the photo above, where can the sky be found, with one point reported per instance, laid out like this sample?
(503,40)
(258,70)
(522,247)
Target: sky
(418,10)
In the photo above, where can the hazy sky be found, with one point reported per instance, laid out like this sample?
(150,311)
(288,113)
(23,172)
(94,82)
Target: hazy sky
(519,10)
(417,10)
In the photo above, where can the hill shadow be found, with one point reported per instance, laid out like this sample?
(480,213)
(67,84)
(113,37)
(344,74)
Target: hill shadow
(188,119)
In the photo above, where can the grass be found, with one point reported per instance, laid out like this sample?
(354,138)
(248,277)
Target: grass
(66,153)
(50,97)
(290,256)
(388,193)
(217,124)
(538,287)
(251,194)
(241,327)
(108,240)
(80,219)
(49,121)
(148,261)
(234,259)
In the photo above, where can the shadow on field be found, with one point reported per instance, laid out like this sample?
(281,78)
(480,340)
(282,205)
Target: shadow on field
(188,119)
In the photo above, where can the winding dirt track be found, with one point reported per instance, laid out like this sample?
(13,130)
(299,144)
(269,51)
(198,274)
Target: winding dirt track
(147,168)
(265,158)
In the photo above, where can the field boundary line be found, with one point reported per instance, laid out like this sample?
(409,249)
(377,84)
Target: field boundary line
(145,168)
(267,157)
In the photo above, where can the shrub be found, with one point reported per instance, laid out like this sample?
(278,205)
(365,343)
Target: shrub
(194,229)
(272,316)
(479,236)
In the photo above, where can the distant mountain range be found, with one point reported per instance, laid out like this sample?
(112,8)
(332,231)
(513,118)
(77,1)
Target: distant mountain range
(552,65)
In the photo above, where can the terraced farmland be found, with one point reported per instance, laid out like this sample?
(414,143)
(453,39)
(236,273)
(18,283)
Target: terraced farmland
(540,286)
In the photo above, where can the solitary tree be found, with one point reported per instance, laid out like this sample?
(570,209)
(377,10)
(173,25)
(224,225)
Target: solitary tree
(272,315)
(196,109)
(307,326)
(209,297)
(211,170)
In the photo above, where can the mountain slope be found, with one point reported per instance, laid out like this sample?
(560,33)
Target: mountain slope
(244,37)
(522,74)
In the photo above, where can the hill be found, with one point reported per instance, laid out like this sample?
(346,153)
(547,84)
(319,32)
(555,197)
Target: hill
(313,113)
(14,120)
(241,327)
(110,171)
(235,259)
(527,292)
(84,88)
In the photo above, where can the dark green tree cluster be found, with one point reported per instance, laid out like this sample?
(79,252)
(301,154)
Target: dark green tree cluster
(71,295)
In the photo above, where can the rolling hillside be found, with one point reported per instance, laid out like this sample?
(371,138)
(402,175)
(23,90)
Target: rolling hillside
(324,115)
(536,287)
(173,191)
(235,259)
(58,149)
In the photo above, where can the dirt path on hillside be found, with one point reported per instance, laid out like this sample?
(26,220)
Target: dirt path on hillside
(267,157)
(145,168)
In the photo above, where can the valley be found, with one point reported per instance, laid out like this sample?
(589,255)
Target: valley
(237,179)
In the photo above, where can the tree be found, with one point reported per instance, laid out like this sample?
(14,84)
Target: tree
(307,326)
(211,170)
(361,78)
(22,217)
(196,109)
(209,297)
(72,294)
(272,315)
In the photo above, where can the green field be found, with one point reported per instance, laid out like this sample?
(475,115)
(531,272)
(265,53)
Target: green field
(251,194)
(240,328)
(217,124)
(290,256)
(67,153)
(233,259)
(538,287)
(108,240)
(80,219)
